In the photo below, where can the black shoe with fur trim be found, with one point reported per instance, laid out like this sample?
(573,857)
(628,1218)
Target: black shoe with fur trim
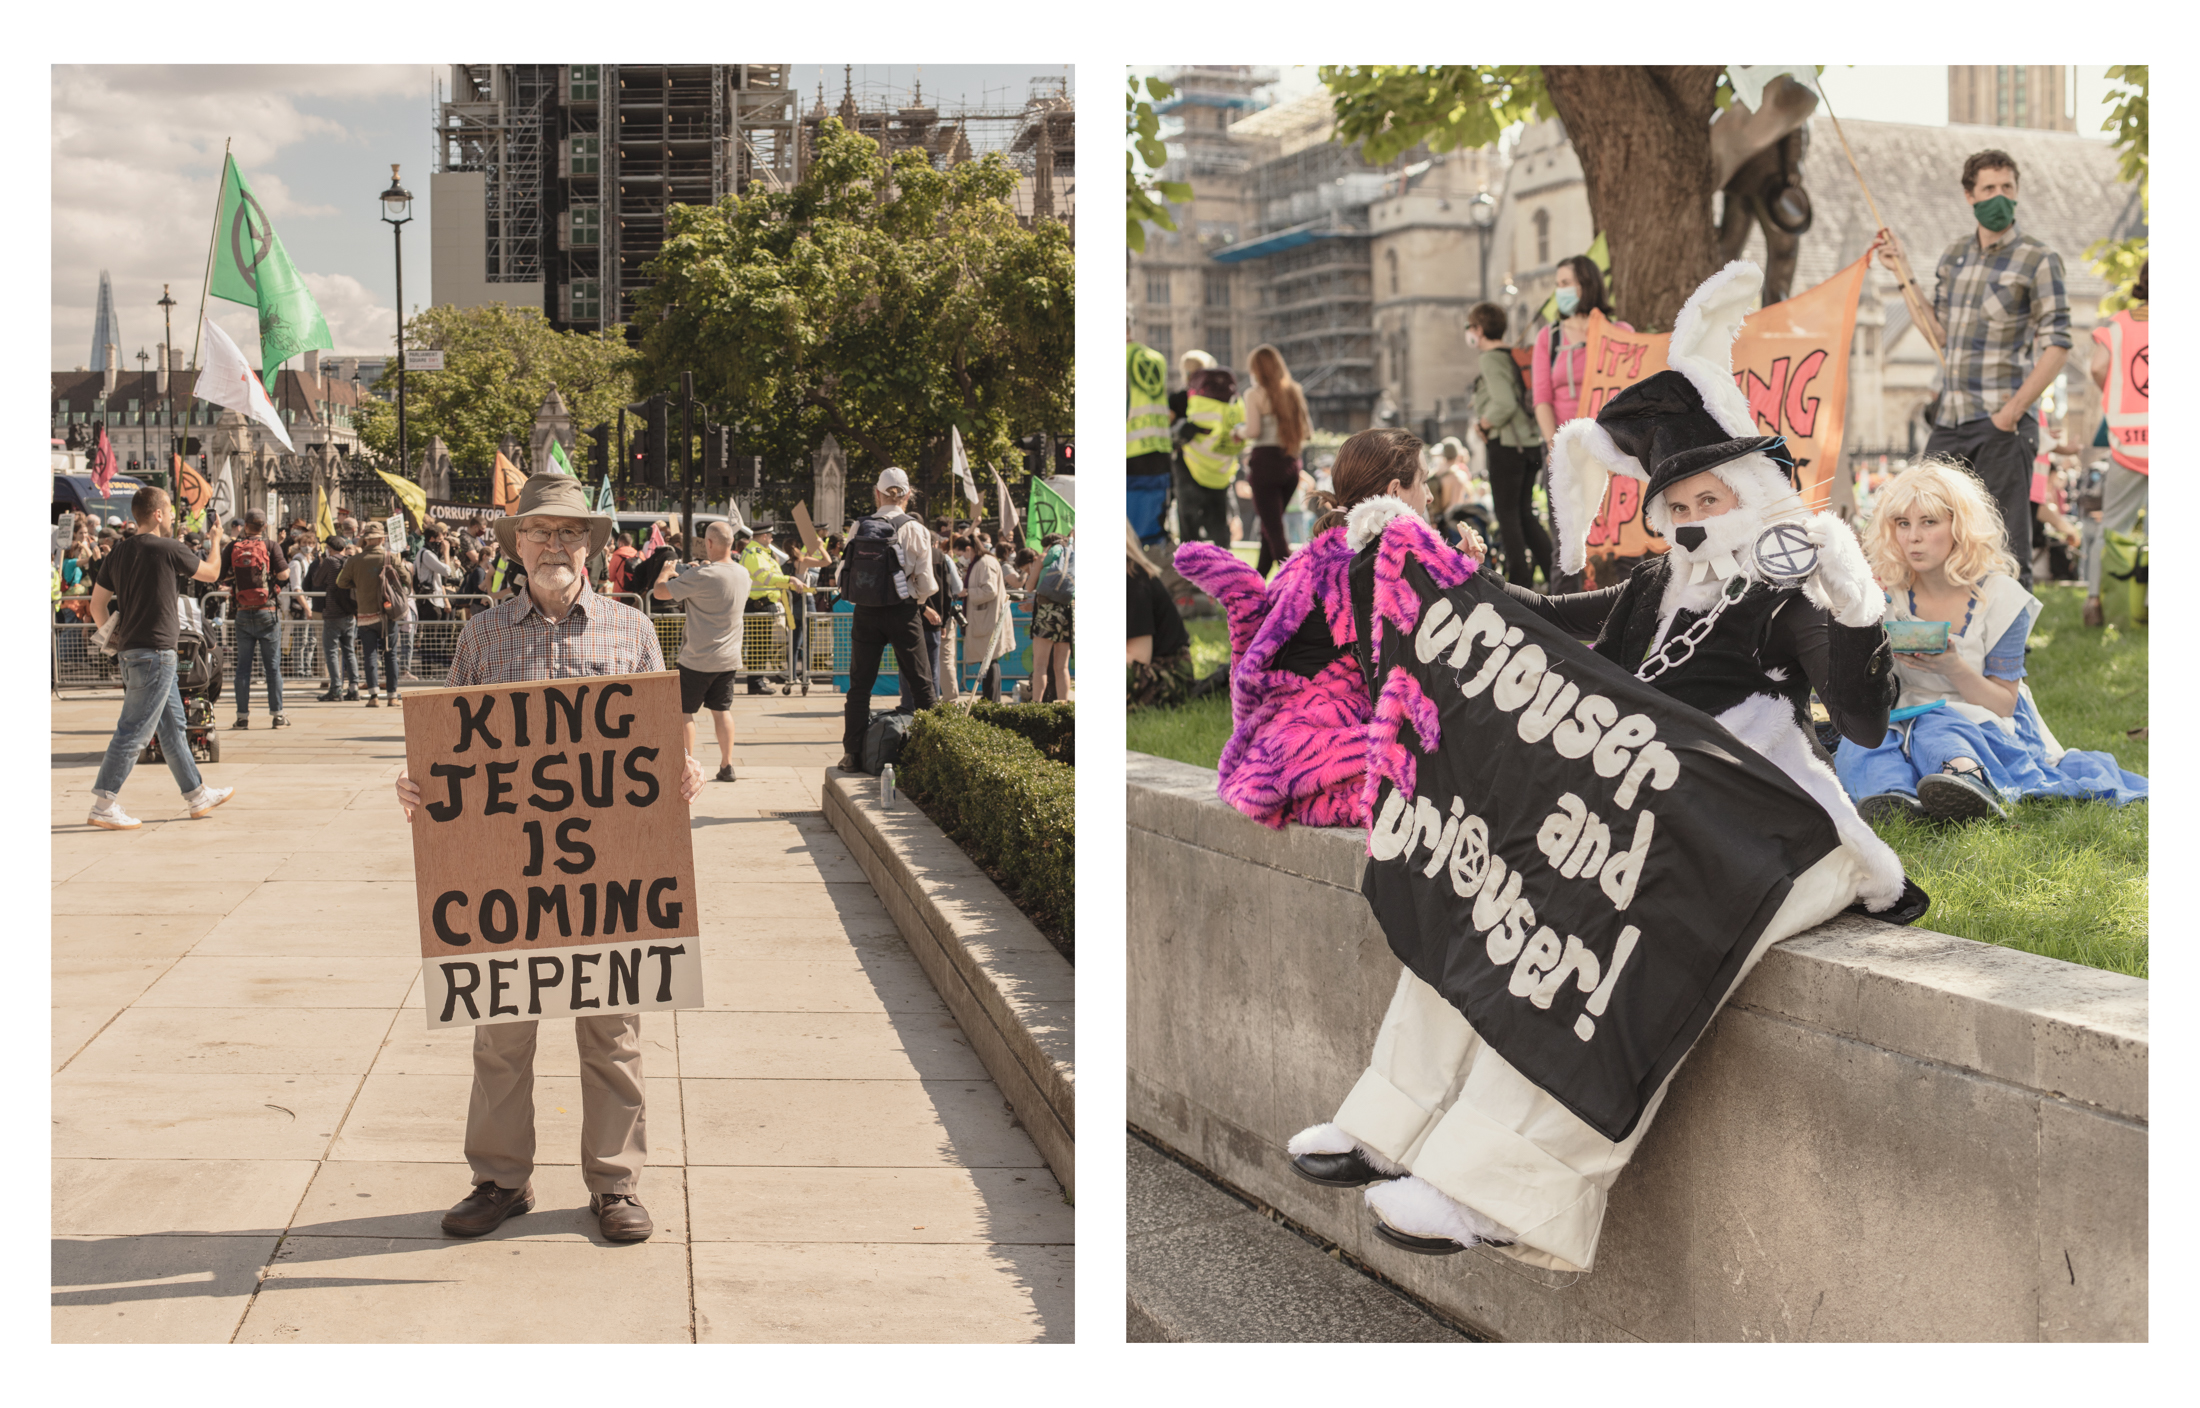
(1327,1155)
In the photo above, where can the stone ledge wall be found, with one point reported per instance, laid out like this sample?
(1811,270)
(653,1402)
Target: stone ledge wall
(1888,1134)
(1011,993)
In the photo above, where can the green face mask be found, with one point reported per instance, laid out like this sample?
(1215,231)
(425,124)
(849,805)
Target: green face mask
(1997,214)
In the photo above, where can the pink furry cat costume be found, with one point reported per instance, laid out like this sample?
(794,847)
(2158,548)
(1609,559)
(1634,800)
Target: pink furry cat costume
(1298,751)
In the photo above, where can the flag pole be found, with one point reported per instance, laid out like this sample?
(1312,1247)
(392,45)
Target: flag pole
(212,234)
(1913,299)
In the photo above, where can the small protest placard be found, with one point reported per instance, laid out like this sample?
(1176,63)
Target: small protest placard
(555,872)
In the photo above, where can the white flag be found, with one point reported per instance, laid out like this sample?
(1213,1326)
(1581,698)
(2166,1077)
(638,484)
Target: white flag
(962,466)
(1006,507)
(221,505)
(227,381)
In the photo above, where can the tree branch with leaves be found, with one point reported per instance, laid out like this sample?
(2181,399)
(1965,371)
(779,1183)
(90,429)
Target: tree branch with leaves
(2118,261)
(1642,133)
(1147,198)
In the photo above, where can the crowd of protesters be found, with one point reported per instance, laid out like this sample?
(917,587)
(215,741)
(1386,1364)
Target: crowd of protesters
(355,602)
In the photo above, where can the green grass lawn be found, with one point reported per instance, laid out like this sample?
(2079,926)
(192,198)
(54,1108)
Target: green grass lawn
(2064,879)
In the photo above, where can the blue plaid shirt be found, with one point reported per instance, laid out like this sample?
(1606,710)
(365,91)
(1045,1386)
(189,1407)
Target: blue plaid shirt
(1998,305)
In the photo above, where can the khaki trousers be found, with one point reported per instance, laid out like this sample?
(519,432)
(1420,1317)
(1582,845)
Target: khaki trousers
(500,1116)
(1437,1099)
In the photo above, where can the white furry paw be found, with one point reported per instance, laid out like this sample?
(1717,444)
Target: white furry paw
(1417,1208)
(1334,1139)
(1842,586)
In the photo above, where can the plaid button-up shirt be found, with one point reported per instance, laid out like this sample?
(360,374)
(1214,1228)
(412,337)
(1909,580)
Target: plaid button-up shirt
(514,642)
(1998,306)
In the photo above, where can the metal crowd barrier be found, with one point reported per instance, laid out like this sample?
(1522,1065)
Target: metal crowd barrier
(423,648)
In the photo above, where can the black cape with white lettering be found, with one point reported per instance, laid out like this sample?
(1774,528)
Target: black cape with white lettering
(1730,834)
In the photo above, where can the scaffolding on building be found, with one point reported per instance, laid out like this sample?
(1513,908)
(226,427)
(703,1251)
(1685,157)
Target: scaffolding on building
(582,163)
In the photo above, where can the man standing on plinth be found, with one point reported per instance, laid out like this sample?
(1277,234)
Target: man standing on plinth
(556,629)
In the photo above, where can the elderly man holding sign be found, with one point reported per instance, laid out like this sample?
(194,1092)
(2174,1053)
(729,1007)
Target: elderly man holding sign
(509,926)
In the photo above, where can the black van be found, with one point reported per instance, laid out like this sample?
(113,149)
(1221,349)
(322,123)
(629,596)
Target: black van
(75,491)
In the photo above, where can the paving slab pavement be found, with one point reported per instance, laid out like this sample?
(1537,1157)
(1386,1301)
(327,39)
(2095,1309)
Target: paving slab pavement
(254,1134)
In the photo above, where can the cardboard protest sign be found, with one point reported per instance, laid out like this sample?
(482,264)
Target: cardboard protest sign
(1792,361)
(1578,863)
(812,545)
(555,871)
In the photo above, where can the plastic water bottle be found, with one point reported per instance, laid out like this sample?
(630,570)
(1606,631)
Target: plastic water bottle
(886,786)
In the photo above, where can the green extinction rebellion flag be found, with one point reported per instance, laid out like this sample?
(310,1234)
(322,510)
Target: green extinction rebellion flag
(251,267)
(1050,513)
(558,461)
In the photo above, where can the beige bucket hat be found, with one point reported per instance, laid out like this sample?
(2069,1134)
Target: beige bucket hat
(552,495)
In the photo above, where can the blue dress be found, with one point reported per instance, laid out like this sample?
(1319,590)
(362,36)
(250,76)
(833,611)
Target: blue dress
(2020,754)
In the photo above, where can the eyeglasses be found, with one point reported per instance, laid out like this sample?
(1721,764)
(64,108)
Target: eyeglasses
(563,537)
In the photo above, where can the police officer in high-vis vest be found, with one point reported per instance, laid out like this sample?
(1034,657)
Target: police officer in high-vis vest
(1146,441)
(768,589)
(2120,371)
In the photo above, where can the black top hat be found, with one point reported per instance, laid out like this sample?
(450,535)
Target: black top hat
(1663,422)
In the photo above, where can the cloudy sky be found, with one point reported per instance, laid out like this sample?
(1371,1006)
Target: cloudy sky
(137,154)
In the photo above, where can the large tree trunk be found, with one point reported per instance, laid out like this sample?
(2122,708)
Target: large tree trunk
(1643,134)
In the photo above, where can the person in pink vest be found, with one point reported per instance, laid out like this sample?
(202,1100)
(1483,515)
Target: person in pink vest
(2120,371)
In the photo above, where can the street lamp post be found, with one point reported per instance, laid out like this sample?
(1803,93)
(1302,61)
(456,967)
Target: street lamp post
(1484,210)
(145,405)
(168,357)
(397,211)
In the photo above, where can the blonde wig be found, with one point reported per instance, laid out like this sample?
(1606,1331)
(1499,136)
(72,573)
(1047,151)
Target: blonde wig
(1946,490)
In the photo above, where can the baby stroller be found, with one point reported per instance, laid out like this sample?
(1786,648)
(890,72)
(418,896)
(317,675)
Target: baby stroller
(200,664)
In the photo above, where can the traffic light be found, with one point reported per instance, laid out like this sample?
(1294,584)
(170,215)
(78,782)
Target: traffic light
(599,454)
(1034,449)
(1064,458)
(714,457)
(650,446)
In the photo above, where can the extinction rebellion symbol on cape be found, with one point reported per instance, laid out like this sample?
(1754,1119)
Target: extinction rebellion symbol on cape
(1578,863)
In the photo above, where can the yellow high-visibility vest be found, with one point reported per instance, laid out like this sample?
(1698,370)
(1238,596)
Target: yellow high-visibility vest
(1147,426)
(1211,458)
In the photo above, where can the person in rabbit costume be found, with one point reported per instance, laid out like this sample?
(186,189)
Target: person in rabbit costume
(1757,603)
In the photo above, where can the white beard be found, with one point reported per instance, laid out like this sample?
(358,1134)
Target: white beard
(554,573)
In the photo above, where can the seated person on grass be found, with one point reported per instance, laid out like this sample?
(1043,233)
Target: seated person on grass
(1966,738)
(1158,650)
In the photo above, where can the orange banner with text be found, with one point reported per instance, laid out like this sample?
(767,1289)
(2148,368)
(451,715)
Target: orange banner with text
(1792,361)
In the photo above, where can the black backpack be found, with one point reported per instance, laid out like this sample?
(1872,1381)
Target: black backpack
(869,566)
(883,739)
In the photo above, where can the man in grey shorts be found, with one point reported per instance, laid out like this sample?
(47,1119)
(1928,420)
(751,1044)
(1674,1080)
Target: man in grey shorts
(715,593)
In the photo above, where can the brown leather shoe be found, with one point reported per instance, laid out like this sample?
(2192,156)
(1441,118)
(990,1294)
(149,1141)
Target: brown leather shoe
(485,1209)
(621,1217)
(2093,614)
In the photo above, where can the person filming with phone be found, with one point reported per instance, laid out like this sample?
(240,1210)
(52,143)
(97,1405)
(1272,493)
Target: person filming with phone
(1966,738)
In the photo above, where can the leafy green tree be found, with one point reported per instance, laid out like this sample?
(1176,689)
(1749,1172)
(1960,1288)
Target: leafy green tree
(2118,261)
(1143,130)
(883,302)
(1642,132)
(498,362)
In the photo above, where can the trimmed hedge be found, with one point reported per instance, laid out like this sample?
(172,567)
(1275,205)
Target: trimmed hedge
(1052,728)
(1013,810)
